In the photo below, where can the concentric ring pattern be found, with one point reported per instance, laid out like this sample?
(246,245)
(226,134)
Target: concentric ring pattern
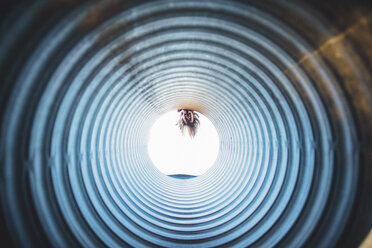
(288,91)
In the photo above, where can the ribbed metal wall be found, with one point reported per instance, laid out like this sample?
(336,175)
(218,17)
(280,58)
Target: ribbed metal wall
(287,87)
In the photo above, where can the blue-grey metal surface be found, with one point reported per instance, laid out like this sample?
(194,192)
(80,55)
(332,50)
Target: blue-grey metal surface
(82,84)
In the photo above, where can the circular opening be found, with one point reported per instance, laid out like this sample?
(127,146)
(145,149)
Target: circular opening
(178,155)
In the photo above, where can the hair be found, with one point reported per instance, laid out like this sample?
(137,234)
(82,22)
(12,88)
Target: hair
(192,127)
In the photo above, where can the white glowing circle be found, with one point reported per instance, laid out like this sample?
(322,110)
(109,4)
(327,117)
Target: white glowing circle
(176,154)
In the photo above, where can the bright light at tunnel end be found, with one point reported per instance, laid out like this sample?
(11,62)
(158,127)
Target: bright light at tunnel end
(176,154)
